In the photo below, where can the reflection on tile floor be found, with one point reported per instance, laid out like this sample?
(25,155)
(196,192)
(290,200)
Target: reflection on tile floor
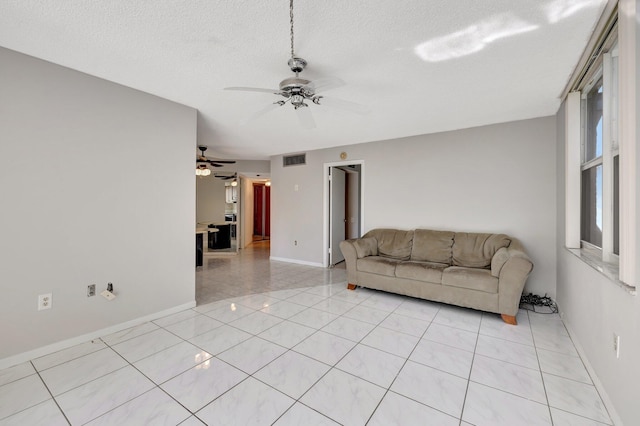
(277,343)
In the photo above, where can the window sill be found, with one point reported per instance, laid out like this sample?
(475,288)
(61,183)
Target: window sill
(609,270)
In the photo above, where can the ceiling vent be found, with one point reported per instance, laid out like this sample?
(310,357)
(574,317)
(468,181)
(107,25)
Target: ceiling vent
(294,160)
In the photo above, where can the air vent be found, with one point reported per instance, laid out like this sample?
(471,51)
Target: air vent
(294,160)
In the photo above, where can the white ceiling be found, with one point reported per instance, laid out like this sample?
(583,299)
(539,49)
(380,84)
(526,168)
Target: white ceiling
(421,66)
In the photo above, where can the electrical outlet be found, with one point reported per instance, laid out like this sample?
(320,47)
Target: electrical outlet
(295,242)
(44,301)
(91,290)
(616,344)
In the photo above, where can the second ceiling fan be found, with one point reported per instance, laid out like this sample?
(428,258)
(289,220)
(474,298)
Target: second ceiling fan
(203,159)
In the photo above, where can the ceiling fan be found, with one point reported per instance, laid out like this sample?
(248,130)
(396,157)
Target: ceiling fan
(298,91)
(214,163)
(226,176)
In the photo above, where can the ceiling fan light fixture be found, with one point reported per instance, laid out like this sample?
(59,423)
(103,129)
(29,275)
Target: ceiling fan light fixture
(298,101)
(202,170)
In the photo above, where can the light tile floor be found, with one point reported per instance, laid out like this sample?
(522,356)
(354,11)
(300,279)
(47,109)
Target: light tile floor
(309,352)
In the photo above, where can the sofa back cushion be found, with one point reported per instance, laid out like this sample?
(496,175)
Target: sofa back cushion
(475,250)
(366,247)
(432,246)
(393,243)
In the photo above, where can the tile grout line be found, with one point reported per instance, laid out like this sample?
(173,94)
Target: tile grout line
(156,386)
(473,358)
(334,366)
(55,401)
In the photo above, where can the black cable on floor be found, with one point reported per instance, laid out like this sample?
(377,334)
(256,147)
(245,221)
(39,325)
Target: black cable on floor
(530,301)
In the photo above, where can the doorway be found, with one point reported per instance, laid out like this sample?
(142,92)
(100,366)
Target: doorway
(218,209)
(261,211)
(343,212)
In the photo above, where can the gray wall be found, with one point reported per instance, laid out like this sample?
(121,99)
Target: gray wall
(498,178)
(593,308)
(210,199)
(97,184)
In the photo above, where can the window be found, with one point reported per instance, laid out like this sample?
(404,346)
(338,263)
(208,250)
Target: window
(602,185)
(591,177)
(599,194)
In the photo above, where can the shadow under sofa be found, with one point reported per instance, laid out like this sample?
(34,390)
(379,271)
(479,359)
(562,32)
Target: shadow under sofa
(482,271)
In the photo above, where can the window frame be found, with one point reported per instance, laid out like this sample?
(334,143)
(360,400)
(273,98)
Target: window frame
(604,71)
(603,62)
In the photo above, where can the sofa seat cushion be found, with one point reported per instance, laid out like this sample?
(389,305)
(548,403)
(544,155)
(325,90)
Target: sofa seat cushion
(421,271)
(471,278)
(378,265)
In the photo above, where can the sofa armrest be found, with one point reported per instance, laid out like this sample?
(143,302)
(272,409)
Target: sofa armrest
(501,257)
(512,278)
(348,249)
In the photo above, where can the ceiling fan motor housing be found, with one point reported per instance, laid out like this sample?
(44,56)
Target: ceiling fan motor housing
(295,85)
(297,90)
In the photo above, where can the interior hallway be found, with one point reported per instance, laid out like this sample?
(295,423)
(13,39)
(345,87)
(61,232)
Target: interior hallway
(251,272)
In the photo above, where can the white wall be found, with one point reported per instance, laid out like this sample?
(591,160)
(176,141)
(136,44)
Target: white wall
(498,178)
(593,308)
(97,185)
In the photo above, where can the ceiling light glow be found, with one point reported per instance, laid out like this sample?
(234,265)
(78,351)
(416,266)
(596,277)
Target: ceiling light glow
(473,38)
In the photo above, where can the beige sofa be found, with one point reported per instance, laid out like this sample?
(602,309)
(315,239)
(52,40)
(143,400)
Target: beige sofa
(480,271)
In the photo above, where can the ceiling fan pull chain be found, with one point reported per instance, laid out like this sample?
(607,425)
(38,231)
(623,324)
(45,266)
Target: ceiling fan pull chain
(291,20)
(298,91)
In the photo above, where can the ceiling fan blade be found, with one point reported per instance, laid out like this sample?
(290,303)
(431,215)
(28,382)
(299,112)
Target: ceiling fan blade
(260,113)
(253,89)
(225,177)
(306,118)
(344,105)
(222,161)
(326,83)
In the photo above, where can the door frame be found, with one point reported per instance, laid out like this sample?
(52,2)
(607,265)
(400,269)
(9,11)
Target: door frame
(325,207)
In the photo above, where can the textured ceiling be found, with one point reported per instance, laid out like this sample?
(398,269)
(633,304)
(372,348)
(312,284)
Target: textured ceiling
(420,66)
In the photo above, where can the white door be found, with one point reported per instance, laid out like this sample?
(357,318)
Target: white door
(337,184)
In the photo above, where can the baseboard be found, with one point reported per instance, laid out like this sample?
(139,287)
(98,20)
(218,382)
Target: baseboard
(615,418)
(299,262)
(64,344)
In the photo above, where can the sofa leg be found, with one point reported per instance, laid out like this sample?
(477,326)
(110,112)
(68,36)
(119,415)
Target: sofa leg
(351,286)
(509,319)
